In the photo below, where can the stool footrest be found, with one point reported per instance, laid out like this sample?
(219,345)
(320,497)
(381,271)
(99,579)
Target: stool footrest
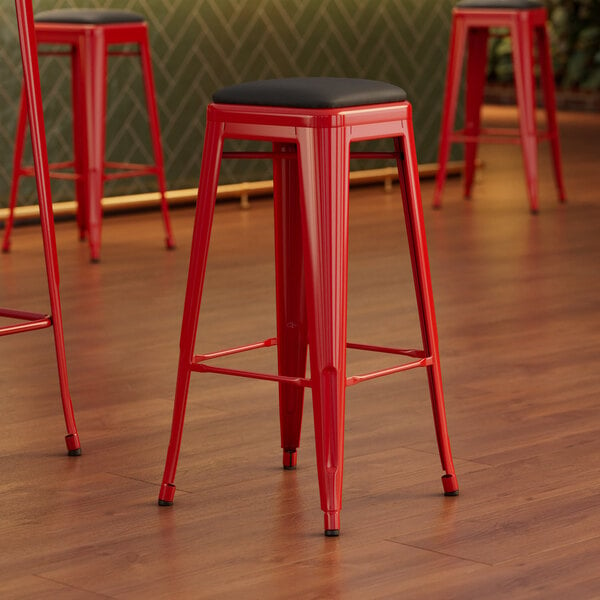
(128,170)
(265,344)
(424,362)
(123,52)
(199,365)
(128,166)
(70,52)
(267,154)
(203,368)
(55,171)
(31,321)
(402,351)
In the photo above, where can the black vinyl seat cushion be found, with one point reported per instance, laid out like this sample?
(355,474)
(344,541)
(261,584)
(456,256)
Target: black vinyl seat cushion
(88,16)
(513,4)
(310,92)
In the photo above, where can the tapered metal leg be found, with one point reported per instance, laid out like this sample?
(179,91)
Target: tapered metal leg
(415,228)
(40,161)
(207,191)
(324,166)
(291,307)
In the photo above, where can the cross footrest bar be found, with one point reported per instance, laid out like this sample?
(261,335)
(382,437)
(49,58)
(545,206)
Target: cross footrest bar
(56,171)
(268,154)
(70,52)
(199,363)
(126,170)
(31,321)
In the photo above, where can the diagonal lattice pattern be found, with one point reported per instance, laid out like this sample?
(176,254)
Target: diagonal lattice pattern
(201,45)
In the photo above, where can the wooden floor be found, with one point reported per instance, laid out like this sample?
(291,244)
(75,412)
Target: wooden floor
(518,302)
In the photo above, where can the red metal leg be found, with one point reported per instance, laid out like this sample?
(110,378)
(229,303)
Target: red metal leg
(547,78)
(40,158)
(94,57)
(456,54)
(476,64)
(324,166)
(80,139)
(525,89)
(415,227)
(207,192)
(155,135)
(291,306)
(17,170)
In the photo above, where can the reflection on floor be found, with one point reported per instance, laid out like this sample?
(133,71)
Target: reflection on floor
(519,321)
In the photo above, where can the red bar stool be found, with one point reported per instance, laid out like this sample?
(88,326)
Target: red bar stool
(89,33)
(311,123)
(471,24)
(22,321)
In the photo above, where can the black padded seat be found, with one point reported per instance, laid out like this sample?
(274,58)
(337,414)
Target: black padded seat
(310,92)
(88,16)
(512,4)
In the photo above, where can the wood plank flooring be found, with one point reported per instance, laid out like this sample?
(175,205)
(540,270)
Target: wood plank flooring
(518,303)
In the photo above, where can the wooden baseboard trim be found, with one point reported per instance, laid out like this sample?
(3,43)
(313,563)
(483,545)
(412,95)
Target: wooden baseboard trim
(244,191)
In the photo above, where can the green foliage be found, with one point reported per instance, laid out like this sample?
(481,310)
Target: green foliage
(574,28)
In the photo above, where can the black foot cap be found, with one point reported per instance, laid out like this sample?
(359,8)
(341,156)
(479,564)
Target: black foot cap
(455,493)
(332,532)
(165,503)
(292,468)
(76,452)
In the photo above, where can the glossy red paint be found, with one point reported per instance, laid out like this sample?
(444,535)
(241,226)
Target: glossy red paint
(30,321)
(469,34)
(89,48)
(311,154)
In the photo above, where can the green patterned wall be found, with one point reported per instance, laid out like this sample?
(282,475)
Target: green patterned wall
(201,45)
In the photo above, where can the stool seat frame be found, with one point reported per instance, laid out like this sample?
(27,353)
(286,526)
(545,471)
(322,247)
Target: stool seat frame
(311,153)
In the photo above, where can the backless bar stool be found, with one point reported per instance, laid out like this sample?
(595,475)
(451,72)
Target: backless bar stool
(311,123)
(89,33)
(471,24)
(25,321)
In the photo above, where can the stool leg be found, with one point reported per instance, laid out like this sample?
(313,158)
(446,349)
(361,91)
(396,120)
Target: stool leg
(80,146)
(525,89)
(207,192)
(547,77)
(17,170)
(40,159)
(155,135)
(456,53)
(94,57)
(415,227)
(476,64)
(291,306)
(324,168)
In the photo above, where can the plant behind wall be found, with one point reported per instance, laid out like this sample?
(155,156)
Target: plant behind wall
(574,28)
